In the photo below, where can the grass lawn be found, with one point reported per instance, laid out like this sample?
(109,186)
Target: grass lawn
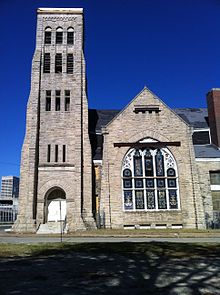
(110,268)
(159,248)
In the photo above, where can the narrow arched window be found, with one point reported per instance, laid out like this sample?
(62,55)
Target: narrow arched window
(150,180)
(70,36)
(138,171)
(47,35)
(59,36)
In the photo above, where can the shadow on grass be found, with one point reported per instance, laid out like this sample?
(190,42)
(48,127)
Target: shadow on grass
(108,268)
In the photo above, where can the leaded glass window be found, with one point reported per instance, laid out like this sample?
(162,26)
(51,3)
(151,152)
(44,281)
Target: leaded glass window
(150,199)
(171,182)
(149,164)
(128,200)
(139,199)
(150,180)
(159,163)
(137,164)
(173,199)
(138,183)
(127,173)
(127,183)
(160,182)
(171,172)
(162,203)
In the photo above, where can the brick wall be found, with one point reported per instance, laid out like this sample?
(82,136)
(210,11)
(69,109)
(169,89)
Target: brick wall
(213,102)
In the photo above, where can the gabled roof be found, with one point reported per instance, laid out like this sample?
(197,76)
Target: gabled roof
(196,117)
(145,89)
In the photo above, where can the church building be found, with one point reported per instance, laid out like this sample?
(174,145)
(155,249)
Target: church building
(146,166)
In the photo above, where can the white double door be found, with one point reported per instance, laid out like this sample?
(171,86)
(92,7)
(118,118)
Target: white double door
(57,210)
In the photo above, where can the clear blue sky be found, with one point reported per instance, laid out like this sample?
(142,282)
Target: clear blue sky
(171,46)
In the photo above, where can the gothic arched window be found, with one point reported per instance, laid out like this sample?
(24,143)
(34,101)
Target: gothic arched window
(150,180)
(70,36)
(47,35)
(59,36)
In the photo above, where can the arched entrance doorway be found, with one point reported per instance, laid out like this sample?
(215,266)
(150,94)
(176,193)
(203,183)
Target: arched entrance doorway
(55,205)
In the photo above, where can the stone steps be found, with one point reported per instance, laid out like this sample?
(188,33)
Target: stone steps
(50,228)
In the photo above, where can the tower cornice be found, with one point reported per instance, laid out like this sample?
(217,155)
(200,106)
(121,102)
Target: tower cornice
(60,10)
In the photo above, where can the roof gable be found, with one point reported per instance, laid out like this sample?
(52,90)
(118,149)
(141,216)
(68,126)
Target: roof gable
(149,98)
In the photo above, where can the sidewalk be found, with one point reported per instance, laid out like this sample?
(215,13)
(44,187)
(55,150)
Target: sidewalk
(123,233)
(115,236)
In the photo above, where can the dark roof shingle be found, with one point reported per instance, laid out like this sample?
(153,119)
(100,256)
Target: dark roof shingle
(196,117)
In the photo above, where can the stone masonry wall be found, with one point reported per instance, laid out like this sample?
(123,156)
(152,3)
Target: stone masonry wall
(28,170)
(69,128)
(164,126)
(204,167)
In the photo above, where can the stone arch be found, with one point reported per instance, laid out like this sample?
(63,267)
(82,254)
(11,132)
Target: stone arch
(70,29)
(54,182)
(48,29)
(59,29)
(138,136)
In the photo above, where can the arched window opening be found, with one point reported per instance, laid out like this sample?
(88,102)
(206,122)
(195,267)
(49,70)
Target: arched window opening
(150,180)
(47,35)
(59,36)
(70,36)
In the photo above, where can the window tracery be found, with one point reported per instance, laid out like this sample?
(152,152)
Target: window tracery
(150,180)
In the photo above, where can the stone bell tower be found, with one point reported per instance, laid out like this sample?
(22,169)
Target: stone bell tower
(56,181)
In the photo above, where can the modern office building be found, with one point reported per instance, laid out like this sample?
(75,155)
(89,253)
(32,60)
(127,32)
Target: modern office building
(9,190)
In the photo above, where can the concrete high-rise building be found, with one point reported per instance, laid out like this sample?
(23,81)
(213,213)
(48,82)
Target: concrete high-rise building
(9,190)
(146,166)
